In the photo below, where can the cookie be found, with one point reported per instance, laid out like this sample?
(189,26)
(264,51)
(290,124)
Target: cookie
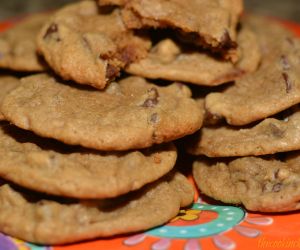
(208,23)
(18,45)
(274,87)
(36,163)
(82,44)
(7,84)
(130,114)
(50,220)
(266,185)
(171,61)
(270,136)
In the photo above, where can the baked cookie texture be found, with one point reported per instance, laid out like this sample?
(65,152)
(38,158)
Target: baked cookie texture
(175,62)
(35,163)
(208,23)
(18,48)
(89,46)
(7,84)
(272,135)
(50,220)
(273,88)
(127,115)
(265,185)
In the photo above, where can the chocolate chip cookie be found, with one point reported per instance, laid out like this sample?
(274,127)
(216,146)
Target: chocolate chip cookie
(18,45)
(273,88)
(130,114)
(171,60)
(52,220)
(266,185)
(208,23)
(83,44)
(270,136)
(36,163)
(7,84)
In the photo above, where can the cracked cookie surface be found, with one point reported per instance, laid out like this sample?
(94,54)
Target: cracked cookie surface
(209,23)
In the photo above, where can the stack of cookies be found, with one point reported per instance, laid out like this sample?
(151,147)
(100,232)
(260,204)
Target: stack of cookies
(252,127)
(87,137)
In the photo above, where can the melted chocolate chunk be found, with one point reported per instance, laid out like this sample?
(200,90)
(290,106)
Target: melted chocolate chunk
(127,55)
(275,131)
(53,28)
(111,72)
(152,101)
(288,82)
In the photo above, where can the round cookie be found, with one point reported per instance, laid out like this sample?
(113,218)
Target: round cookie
(7,84)
(50,167)
(265,185)
(18,45)
(50,220)
(274,87)
(130,114)
(82,44)
(171,61)
(267,137)
(208,23)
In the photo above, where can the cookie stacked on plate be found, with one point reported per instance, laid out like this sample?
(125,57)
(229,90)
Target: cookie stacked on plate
(88,151)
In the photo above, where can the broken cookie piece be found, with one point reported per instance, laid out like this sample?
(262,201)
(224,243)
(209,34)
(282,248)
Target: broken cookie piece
(172,61)
(211,24)
(89,47)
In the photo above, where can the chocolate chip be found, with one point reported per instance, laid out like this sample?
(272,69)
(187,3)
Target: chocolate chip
(276,132)
(111,72)
(128,55)
(53,28)
(152,101)
(154,118)
(277,187)
(285,63)
(288,82)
